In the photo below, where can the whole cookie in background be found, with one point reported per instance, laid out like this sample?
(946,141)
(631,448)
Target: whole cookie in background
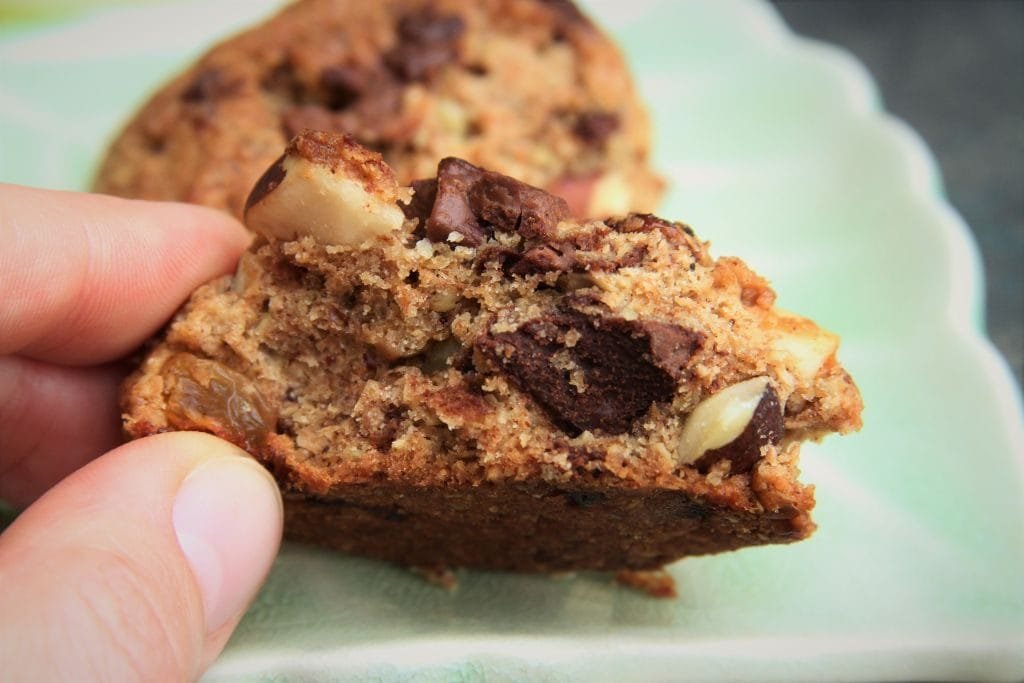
(530,88)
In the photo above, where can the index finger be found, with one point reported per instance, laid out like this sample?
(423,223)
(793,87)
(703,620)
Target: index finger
(86,278)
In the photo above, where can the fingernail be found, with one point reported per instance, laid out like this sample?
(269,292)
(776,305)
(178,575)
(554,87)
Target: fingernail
(227,516)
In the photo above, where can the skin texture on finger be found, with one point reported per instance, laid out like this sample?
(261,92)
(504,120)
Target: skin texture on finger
(53,420)
(95,573)
(86,278)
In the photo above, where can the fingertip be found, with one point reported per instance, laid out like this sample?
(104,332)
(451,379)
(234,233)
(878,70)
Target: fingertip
(206,221)
(88,277)
(152,552)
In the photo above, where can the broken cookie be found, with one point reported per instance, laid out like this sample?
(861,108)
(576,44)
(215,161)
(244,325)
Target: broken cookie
(458,374)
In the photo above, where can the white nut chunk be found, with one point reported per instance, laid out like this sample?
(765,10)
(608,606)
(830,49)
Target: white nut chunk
(801,345)
(734,424)
(328,187)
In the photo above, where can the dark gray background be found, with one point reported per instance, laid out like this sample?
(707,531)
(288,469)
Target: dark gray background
(954,70)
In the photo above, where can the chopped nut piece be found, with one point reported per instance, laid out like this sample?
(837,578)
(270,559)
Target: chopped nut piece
(733,424)
(802,345)
(329,188)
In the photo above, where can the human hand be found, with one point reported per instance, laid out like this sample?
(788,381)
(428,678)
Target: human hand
(136,564)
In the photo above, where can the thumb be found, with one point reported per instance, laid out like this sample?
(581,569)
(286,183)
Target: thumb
(139,565)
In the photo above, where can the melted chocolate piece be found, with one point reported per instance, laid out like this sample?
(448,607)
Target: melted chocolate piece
(765,427)
(595,127)
(425,42)
(623,366)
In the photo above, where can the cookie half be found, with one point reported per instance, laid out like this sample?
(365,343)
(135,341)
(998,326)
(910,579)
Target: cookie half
(460,374)
(530,88)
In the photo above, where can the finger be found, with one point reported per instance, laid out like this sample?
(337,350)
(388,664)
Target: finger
(138,565)
(53,420)
(86,278)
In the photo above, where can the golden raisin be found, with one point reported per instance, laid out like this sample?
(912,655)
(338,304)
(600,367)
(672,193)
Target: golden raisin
(205,395)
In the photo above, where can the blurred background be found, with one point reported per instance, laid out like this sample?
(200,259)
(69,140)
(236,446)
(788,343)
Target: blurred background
(954,70)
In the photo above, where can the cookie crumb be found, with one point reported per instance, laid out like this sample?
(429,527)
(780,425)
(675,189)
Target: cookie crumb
(657,583)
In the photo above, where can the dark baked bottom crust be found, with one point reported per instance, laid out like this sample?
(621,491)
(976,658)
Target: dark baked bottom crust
(531,527)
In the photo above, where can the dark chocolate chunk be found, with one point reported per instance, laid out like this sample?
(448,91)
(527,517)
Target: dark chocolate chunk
(509,205)
(425,27)
(546,258)
(343,85)
(451,211)
(765,427)
(474,203)
(423,198)
(671,346)
(595,127)
(208,86)
(593,373)
(425,42)
(270,179)
(497,202)
(350,105)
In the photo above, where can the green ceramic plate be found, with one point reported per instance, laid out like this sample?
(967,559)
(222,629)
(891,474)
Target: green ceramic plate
(776,151)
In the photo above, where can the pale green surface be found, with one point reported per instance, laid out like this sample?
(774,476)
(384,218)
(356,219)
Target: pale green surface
(776,152)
